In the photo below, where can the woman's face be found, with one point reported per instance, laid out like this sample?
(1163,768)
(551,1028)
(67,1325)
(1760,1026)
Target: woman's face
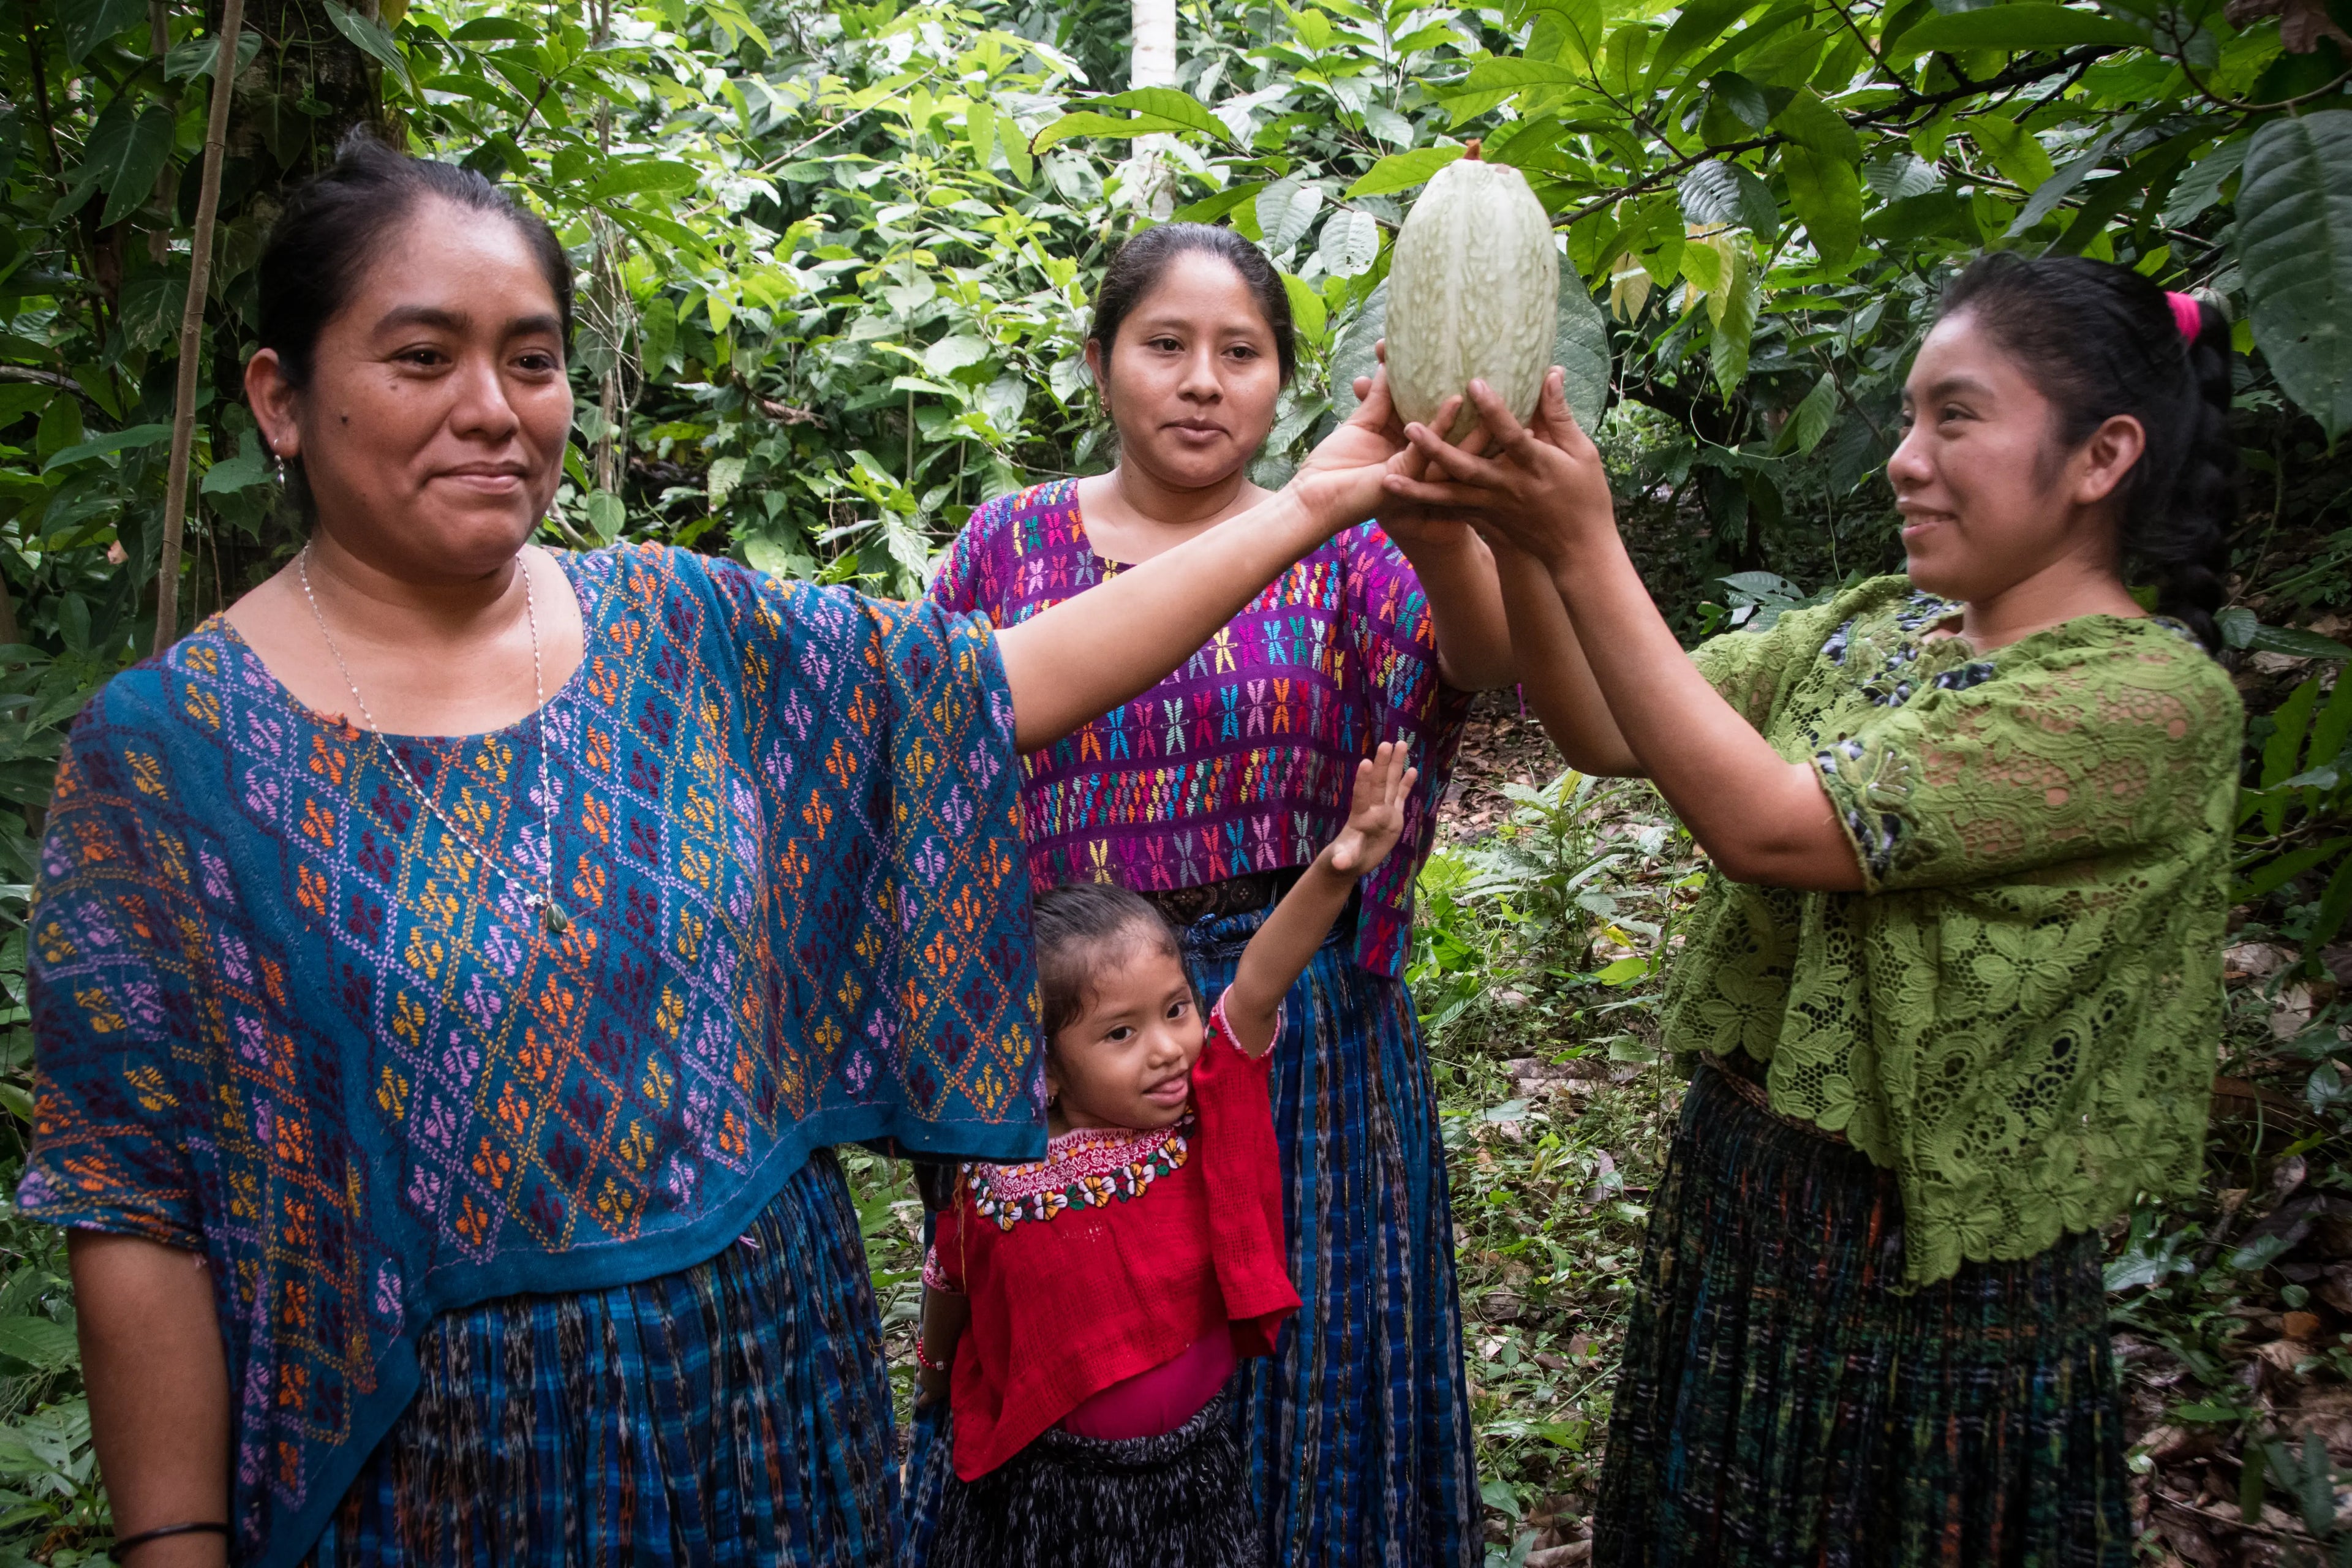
(1192,377)
(431,431)
(1988,497)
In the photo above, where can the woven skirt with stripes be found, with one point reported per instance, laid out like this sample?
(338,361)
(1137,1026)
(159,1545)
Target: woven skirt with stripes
(1784,1402)
(1178,1500)
(736,1412)
(1358,1431)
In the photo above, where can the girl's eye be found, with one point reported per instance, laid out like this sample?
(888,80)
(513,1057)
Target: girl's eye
(1120,1035)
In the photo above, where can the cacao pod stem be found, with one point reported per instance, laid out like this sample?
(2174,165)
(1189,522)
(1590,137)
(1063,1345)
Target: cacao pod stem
(1471,152)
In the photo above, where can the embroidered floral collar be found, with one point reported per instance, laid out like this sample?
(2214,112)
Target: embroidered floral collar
(1087,1167)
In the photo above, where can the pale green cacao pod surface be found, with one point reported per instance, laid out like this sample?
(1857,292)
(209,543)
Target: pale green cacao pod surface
(1472,293)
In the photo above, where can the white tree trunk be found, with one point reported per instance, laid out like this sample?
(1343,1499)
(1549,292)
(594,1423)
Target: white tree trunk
(1150,173)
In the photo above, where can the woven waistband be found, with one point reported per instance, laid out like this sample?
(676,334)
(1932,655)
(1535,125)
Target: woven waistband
(1757,1096)
(1234,896)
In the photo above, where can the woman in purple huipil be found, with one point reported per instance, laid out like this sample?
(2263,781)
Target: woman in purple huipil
(1206,793)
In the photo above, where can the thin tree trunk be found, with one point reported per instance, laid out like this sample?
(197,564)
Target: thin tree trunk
(192,329)
(1152,63)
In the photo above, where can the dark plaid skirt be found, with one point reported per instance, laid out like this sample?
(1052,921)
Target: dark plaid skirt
(1782,1403)
(732,1414)
(1180,1499)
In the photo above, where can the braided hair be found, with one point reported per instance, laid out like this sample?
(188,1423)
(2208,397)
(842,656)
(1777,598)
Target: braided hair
(2100,341)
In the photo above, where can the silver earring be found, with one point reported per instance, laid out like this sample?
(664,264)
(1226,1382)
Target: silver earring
(279,463)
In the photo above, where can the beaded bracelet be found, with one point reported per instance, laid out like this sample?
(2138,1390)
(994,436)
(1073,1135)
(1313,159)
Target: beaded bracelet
(198,1527)
(922,1357)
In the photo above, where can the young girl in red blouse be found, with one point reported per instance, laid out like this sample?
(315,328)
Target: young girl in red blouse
(1089,1309)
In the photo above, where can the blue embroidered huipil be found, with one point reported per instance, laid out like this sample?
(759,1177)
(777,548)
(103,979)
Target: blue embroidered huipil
(285,1018)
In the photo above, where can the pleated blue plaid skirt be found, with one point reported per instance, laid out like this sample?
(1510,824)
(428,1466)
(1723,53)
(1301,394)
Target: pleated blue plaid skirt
(1358,1432)
(731,1415)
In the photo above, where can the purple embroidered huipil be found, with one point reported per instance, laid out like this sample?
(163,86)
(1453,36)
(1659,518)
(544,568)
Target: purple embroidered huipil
(1243,760)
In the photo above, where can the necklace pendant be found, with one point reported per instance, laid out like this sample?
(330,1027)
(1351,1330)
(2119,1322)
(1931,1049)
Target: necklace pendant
(553,916)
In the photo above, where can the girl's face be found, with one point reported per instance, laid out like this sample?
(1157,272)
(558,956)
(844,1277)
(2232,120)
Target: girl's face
(1192,377)
(1126,1060)
(1988,496)
(431,431)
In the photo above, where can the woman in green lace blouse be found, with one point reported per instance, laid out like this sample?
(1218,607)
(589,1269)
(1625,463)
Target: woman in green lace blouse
(1955,981)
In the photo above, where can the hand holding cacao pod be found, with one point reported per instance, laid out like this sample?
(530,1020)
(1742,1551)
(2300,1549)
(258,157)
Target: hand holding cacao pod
(1542,490)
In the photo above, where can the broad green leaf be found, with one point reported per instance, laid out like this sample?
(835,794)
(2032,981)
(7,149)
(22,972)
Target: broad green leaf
(1285,209)
(979,132)
(2199,186)
(2015,152)
(1016,150)
(1827,194)
(2295,243)
(39,1343)
(1810,420)
(1388,125)
(1499,75)
(2029,26)
(248,470)
(1403,171)
(1209,210)
(493,30)
(1698,26)
(1350,242)
(371,39)
(1166,104)
(2060,185)
(1818,128)
(1308,312)
(1710,195)
(89,23)
(1580,346)
(1355,352)
(1085,122)
(952,354)
(649,175)
(606,513)
(2297,642)
(133,439)
(145,152)
(1735,329)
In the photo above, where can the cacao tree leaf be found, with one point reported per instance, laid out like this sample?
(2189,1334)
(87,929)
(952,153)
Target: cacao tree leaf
(1710,195)
(89,23)
(1734,332)
(371,39)
(1818,128)
(952,354)
(1285,210)
(645,175)
(2016,152)
(2295,243)
(1087,122)
(1308,311)
(1351,244)
(2031,25)
(2060,185)
(2199,186)
(1695,26)
(1354,355)
(1403,171)
(1580,348)
(1209,210)
(1810,420)
(1501,74)
(1016,150)
(1827,194)
(1165,103)
(1742,98)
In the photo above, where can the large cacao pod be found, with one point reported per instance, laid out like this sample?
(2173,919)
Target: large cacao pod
(1473,293)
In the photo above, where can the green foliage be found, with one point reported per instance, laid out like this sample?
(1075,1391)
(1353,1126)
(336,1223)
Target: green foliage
(833,271)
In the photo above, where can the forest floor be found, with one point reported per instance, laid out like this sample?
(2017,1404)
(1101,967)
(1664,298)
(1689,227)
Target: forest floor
(1548,918)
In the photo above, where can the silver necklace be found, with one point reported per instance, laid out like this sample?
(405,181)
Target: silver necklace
(551,914)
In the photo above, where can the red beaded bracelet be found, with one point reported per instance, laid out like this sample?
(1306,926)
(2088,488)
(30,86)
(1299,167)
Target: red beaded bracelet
(923,1360)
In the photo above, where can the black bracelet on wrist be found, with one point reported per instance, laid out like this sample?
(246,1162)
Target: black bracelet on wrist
(199,1527)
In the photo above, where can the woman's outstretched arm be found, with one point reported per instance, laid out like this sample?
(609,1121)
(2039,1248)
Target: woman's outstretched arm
(1761,819)
(1554,674)
(1087,655)
(158,1381)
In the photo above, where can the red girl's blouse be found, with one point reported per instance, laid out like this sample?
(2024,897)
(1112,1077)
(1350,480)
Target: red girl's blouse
(1112,1256)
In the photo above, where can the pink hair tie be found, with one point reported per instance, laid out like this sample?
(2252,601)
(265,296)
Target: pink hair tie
(2187,314)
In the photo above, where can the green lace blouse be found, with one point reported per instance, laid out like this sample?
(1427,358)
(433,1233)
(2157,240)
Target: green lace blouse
(2020,1015)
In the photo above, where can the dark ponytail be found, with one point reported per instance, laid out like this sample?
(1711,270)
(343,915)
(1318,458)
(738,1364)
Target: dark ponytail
(2101,340)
